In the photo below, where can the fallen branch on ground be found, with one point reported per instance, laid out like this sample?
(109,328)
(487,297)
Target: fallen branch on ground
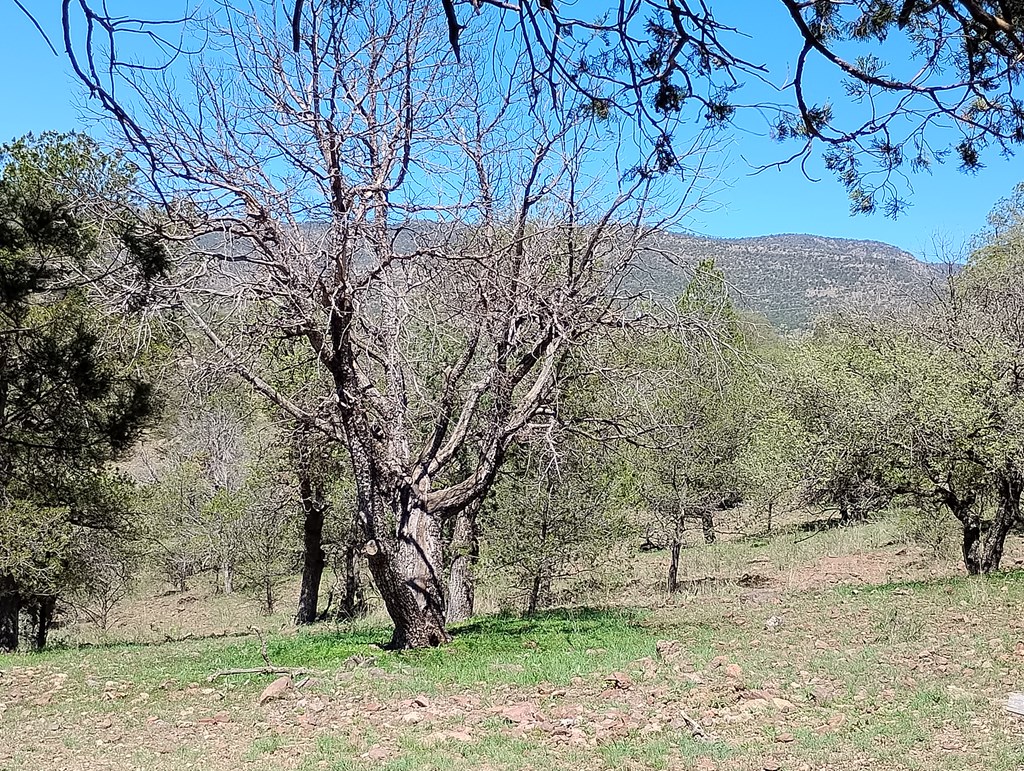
(292,671)
(267,669)
(695,728)
(1015,704)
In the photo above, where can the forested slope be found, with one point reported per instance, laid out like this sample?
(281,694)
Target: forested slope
(792,279)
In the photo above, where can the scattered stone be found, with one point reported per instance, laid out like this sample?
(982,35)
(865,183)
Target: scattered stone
(358,661)
(774,623)
(216,718)
(822,695)
(316,705)
(783,705)
(620,680)
(440,737)
(734,671)
(836,721)
(756,704)
(667,648)
(376,753)
(519,713)
(276,690)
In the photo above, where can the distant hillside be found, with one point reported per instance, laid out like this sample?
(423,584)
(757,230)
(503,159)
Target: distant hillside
(789,279)
(792,279)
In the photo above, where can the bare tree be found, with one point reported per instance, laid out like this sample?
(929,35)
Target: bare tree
(315,507)
(327,511)
(108,580)
(438,244)
(925,80)
(463,555)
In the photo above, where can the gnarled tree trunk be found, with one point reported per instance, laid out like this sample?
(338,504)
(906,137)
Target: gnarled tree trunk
(43,611)
(465,551)
(982,544)
(353,602)
(10,612)
(314,559)
(673,565)
(407,570)
(707,523)
(984,541)
(992,550)
(971,546)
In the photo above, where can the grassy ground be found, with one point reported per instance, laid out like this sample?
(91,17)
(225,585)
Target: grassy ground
(834,652)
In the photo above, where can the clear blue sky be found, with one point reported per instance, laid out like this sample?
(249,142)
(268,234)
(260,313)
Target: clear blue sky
(37,94)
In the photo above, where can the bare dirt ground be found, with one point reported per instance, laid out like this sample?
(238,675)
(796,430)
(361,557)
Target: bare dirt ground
(855,654)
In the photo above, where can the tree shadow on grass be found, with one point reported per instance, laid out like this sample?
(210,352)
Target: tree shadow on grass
(556,618)
(73,645)
(512,629)
(1001,578)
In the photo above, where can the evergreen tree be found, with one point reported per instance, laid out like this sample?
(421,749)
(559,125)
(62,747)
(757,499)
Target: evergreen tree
(69,406)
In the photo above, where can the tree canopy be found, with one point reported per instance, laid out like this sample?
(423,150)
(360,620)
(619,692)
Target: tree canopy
(923,81)
(68,405)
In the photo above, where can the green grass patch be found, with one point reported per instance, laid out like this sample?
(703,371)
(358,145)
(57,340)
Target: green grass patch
(552,647)
(958,585)
(549,647)
(265,745)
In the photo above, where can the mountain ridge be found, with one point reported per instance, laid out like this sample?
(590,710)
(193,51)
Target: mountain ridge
(793,278)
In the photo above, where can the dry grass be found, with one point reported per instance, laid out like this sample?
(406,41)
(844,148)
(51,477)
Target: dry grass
(843,650)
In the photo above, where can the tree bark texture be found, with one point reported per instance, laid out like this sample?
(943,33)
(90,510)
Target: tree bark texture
(43,612)
(227,580)
(313,556)
(707,523)
(408,573)
(10,612)
(983,542)
(673,566)
(464,551)
(353,601)
(539,590)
